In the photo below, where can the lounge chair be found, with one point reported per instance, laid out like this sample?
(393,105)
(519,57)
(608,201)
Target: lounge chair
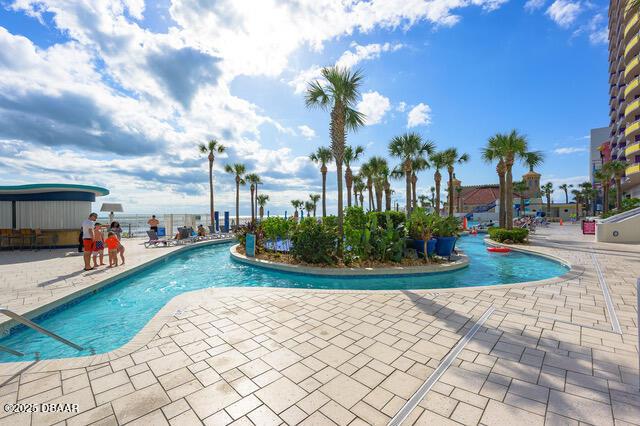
(155,241)
(186,235)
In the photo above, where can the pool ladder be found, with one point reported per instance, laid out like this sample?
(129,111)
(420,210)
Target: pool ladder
(32,325)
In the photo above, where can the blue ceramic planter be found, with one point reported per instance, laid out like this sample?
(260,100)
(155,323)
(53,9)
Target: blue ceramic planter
(445,246)
(419,246)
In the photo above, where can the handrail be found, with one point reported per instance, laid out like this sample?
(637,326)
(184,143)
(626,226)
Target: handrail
(22,320)
(621,216)
(10,351)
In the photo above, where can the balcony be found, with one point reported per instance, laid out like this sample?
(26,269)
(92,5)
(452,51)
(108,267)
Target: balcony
(631,26)
(632,170)
(632,129)
(632,47)
(632,69)
(632,149)
(632,107)
(632,89)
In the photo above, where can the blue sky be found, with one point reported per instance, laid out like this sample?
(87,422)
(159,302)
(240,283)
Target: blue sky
(119,93)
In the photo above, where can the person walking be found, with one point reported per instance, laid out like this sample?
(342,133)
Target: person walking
(87,239)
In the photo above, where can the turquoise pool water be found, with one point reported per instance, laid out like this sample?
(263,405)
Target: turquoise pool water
(109,318)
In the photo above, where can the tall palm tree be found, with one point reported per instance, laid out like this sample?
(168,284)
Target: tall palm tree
(437,162)
(424,201)
(322,156)
(577,195)
(586,194)
(565,188)
(386,186)
(533,159)
(314,198)
(451,158)
(367,172)
(380,173)
(261,200)
(409,148)
(258,181)
(351,154)
(358,190)
(297,204)
(617,169)
(490,153)
(547,189)
(211,148)
(603,175)
(308,206)
(339,93)
(252,179)
(237,169)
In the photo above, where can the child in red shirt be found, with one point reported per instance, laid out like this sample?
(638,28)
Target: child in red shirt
(112,245)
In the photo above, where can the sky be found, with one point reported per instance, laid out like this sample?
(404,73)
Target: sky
(120,93)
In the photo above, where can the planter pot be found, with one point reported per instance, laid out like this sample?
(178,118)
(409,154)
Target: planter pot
(419,246)
(445,246)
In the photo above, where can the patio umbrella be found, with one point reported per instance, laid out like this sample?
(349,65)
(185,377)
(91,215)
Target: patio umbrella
(111,208)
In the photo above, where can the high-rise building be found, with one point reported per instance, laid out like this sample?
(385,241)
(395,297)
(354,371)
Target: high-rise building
(624,85)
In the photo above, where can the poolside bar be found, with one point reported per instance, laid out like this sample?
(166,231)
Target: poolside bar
(53,212)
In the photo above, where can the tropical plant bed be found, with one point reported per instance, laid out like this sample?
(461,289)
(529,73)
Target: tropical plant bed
(286,262)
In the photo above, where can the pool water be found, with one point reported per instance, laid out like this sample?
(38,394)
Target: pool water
(111,317)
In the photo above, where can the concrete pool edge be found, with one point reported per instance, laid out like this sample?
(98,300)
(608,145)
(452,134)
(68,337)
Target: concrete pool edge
(434,268)
(8,324)
(168,312)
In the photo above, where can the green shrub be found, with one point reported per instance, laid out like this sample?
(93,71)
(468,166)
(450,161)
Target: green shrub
(627,204)
(251,228)
(373,236)
(277,227)
(448,226)
(330,221)
(314,242)
(397,218)
(501,235)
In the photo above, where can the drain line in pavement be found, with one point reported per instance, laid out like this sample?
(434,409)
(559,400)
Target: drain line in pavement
(615,324)
(408,407)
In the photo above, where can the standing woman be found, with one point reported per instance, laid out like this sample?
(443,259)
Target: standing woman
(116,229)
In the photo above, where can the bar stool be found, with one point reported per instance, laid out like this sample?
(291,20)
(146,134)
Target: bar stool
(12,236)
(40,238)
(27,235)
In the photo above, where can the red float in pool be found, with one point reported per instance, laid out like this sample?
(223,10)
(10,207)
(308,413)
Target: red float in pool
(498,249)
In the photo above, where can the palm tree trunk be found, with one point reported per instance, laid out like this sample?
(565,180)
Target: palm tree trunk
(355,197)
(566,196)
(407,176)
(618,193)
(253,189)
(261,212)
(437,177)
(340,209)
(324,193)
(503,201)
(361,200)
(370,191)
(450,195)
(387,196)
(605,199)
(509,200)
(211,191)
(414,196)
(349,181)
(237,203)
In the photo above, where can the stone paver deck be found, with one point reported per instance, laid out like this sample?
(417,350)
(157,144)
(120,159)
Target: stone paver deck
(547,355)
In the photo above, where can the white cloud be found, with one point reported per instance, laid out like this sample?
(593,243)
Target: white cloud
(402,106)
(532,5)
(307,132)
(350,58)
(564,12)
(569,150)
(374,106)
(597,29)
(420,115)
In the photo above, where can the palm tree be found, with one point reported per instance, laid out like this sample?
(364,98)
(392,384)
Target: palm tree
(358,189)
(339,94)
(424,201)
(350,155)
(253,180)
(211,148)
(314,199)
(409,148)
(433,195)
(565,188)
(437,162)
(322,156)
(521,188)
(380,173)
(308,206)
(458,197)
(577,195)
(367,172)
(237,169)
(490,153)
(386,186)
(604,176)
(262,201)
(418,164)
(547,189)
(451,158)
(533,159)
(297,204)
(258,181)
(586,194)
(617,169)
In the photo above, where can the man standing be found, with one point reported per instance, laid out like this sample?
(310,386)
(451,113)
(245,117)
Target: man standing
(153,223)
(87,239)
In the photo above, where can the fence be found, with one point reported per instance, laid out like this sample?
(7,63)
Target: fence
(136,225)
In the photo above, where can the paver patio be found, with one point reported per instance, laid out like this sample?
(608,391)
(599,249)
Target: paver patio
(547,354)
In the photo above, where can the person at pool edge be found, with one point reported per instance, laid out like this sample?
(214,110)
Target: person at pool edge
(153,223)
(87,239)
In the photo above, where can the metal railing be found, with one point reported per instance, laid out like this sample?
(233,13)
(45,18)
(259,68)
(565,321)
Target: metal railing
(32,325)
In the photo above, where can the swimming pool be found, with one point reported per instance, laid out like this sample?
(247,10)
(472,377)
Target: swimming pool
(111,317)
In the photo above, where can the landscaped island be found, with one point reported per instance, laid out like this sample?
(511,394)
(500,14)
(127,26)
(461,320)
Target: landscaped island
(371,240)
